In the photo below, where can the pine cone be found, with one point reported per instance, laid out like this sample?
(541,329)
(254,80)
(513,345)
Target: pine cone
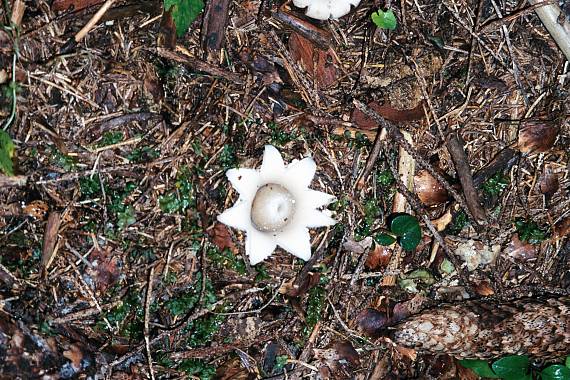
(485,330)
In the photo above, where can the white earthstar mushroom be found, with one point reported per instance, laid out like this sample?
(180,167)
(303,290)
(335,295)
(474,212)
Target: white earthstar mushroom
(276,207)
(325,9)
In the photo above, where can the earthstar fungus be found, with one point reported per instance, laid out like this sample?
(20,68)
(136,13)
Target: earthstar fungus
(276,207)
(325,9)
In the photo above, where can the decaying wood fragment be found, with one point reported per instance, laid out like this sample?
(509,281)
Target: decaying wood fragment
(50,239)
(461,162)
(483,329)
(215,25)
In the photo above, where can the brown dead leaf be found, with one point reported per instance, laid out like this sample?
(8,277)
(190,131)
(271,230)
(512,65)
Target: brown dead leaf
(378,258)
(562,228)
(308,55)
(105,269)
(36,209)
(152,84)
(409,353)
(339,360)
(372,322)
(465,373)
(298,287)
(233,370)
(75,355)
(221,237)
(50,239)
(484,289)
(537,135)
(75,5)
(387,112)
(548,184)
(519,250)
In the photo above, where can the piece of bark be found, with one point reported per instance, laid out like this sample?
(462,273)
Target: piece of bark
(320,65)
(387,112)
(461,162)
(214,26)
(50,239)
(76,5)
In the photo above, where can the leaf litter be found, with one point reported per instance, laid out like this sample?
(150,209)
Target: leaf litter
(126,136)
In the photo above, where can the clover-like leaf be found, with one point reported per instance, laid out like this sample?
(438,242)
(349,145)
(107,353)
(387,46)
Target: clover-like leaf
(512,367)
(384,20)
(555,372)
(384,239)
(407,228)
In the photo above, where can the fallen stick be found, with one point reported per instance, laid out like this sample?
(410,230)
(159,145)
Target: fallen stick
(461,162)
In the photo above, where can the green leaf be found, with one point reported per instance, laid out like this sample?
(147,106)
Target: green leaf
(422,275)
(384,239)
(403,224)
(556,372)
(446,267)
(408,229)
(126,217)
(183,12)
(480,367)
(511,367)
(410,241)
(7,149)
(384,20)
(567,362)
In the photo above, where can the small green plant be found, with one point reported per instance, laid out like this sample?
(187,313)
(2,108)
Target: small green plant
(315,307)
(110,138)
(516,367)
(404,228)
(185,302)
(180,200)
(127,316)
(144,154)
(126,217)
(183,12)
(197,369)
(90,187)
(495,185)
(459,221)
(385,178)
(226,259)
(278,136)
(68,163)
(280,363)
(384,20)
(7,149)
(529,231)
(227,157)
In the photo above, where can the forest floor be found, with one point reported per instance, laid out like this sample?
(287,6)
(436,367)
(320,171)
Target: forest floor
(112,261)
